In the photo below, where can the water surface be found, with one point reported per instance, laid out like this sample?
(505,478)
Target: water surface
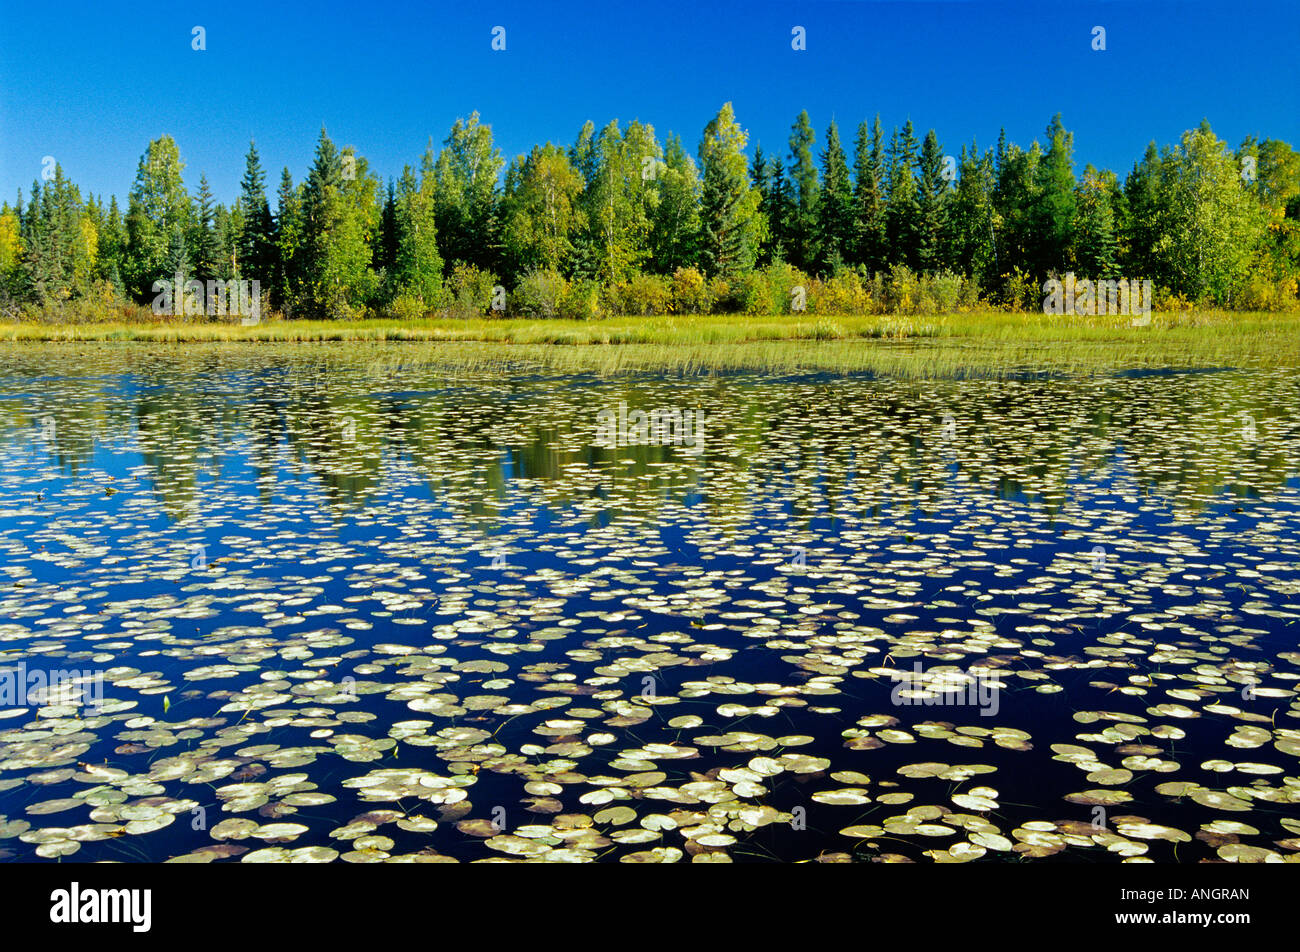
(346,606)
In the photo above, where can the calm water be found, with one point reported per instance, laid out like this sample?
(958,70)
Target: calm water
(318,607)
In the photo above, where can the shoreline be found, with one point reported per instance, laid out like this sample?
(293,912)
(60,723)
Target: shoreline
(982,344)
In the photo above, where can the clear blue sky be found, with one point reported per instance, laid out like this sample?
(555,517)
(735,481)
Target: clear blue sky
(92,83)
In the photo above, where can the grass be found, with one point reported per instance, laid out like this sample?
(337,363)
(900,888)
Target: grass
(981,342)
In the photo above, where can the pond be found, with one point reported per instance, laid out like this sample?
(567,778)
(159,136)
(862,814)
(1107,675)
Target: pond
(344,604)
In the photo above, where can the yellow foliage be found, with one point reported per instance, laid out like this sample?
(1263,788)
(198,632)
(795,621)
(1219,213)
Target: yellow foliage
(10,242)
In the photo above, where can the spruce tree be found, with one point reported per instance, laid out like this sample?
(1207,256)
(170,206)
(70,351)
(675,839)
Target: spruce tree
(256,246)
(933,194)
(835,218)
(902,212)
(1056,208)
(290,250)
(802,233)
(868,200)
(202,242)
(729,206)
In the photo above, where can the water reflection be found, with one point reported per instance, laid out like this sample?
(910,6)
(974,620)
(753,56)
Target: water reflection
(332,565)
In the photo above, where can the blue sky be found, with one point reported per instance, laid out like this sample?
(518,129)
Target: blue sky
(92,83)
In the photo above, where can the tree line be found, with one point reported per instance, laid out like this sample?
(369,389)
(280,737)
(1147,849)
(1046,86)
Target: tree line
(618,221)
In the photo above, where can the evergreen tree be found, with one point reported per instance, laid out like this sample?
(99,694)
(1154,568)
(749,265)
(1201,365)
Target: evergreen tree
(112,248)
(255,251)
(780,214)
(760,176)
(202,242)
(835,219)
(341,217)
(1138,222)
(933,195)
(1094,229)
(1015,200)
(417,266)
(902,211)
(729,206)
(290,248)
(868,198)
(972,222)
(177,262)
(802,232)
(1056,208)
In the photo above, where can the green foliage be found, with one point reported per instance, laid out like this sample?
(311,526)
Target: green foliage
(204,249)
(618,225)
(973,220)
(465,193)
(835,217)
(158,207)
(340,213)
(618,199)
(539,294)
(540,210)
(580,300)
(675,215)
(1209,225)
(1020,291)
(1093,233)
(868,197)
(255,242)
(1055,207)
(732,228)
(902,209)
(469,290)
(802,224)
(643,294)
(416,270)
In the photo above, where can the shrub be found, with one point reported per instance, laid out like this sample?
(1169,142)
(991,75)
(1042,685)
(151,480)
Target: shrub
(406,307)
(877,288)
(722,295)
(642,294)
(1167,302)
(1020,292)
(692,294)
(581,300)
(1262,293)
(750,293)
(538,294)
(469,291)
(781,280)
(943,291)
(842,293)
(902,290)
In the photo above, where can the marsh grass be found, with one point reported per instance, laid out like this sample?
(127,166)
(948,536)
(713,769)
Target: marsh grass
(991,342)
